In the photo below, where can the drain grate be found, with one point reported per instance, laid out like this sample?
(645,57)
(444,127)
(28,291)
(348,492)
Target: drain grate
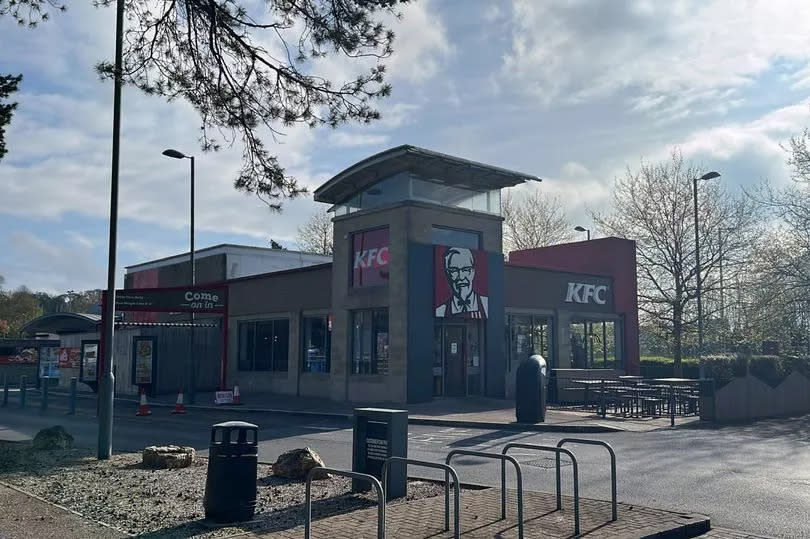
(546,462)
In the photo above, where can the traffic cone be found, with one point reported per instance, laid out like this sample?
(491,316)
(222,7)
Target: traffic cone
(143,409)
(179,407)
(236,394)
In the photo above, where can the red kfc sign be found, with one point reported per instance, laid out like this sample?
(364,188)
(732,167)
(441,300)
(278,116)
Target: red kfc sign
(370,257)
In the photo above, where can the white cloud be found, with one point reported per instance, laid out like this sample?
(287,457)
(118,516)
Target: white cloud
(42,265)
(672,57)
(342,139)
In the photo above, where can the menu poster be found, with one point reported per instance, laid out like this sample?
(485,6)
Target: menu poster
(144,360)
(89,365)
(49,362)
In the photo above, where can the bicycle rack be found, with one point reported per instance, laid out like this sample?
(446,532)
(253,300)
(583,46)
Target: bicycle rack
(612,469)
(448,471)
(557,451)
(354,475)
(503,458)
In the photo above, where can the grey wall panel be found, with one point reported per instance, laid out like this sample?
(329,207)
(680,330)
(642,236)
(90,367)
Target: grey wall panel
(420,322)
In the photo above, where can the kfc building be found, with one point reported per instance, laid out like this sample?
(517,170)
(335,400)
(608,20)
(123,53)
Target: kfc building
(418,301)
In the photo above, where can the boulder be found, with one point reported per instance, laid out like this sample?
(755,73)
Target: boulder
(55,437)
(167,457)
(296,464)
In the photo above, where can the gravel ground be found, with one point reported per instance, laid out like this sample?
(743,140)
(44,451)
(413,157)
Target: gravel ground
(168,503)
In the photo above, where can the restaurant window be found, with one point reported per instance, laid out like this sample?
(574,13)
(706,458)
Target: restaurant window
(456,237)
(369,342)
(317,344)
(264,345)
(528,335)
(593,344)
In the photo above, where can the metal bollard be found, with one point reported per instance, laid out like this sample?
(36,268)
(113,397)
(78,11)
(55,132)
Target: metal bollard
(22,391)
(72,409)
(5,391)
(43,402)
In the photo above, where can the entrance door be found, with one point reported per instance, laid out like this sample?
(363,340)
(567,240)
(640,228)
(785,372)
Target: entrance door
(455,382)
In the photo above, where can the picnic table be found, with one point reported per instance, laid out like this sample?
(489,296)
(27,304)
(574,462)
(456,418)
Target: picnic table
(593,382)
(672,382)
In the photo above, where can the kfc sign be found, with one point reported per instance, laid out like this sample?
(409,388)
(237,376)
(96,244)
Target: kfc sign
(370,258)
(586,293)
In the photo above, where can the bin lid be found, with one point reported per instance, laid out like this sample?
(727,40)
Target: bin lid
(235,425)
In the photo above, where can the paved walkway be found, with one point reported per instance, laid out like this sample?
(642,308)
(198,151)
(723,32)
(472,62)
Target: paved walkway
(480,517)
(25,516)
(470,412)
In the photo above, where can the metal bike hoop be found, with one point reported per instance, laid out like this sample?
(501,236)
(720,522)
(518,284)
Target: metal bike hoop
(354,475)
(448,471)
(557,451)
(503,458)
(613,496)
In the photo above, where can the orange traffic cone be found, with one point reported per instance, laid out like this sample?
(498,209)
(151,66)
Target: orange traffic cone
(236,394)
(143,409)
(179,407)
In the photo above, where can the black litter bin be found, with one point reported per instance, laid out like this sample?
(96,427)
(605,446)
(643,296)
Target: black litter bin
(230,486)
(530,390)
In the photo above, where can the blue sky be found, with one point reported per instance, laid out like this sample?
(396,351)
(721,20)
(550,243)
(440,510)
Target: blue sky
(572,91)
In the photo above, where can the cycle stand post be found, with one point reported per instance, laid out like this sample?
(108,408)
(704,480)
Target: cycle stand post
(353,475)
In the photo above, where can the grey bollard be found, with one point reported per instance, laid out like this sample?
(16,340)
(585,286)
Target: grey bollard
(22,391)
(43,402)
(72,408)
(5,391)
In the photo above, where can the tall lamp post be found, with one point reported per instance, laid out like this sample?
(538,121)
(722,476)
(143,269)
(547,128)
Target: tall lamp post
(190,367)
(583,229)
(707,176)
(106,396)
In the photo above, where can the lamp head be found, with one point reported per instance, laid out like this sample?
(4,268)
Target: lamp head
(710,176)
(174,153)
(580,229)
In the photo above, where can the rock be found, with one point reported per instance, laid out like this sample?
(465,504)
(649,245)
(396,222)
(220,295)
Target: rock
(167,457)
(52,438)
(296,464)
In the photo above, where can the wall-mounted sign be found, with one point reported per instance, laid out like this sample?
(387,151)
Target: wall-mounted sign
(197,299)
(461,282)
(370,257)
(143,361)
(586,293)
(88,372)
(49,362)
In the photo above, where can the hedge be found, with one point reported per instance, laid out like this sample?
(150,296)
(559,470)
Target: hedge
(723,368)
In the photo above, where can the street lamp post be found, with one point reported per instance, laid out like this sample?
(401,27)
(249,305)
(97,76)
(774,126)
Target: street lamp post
(707,176)
(583,229)
(106,398)
(191,366)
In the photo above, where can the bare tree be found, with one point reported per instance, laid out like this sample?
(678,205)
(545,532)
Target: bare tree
(315,235)
(654,206)
(250,69)
(534,220)
(782,266)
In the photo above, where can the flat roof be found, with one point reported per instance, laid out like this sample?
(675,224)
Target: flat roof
(223,248)
(447,168)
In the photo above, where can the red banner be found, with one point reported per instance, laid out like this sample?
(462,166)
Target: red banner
(370,258)
(461,278)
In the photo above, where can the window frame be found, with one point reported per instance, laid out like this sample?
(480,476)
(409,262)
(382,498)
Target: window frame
(275,365)
(377,365)
(305,366)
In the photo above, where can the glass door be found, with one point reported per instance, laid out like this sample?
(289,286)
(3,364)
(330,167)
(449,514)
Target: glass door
(455,382)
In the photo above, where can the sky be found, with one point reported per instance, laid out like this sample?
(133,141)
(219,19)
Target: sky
(571,91)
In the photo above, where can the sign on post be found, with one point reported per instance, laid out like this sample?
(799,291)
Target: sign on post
(378,435)
(49,362)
